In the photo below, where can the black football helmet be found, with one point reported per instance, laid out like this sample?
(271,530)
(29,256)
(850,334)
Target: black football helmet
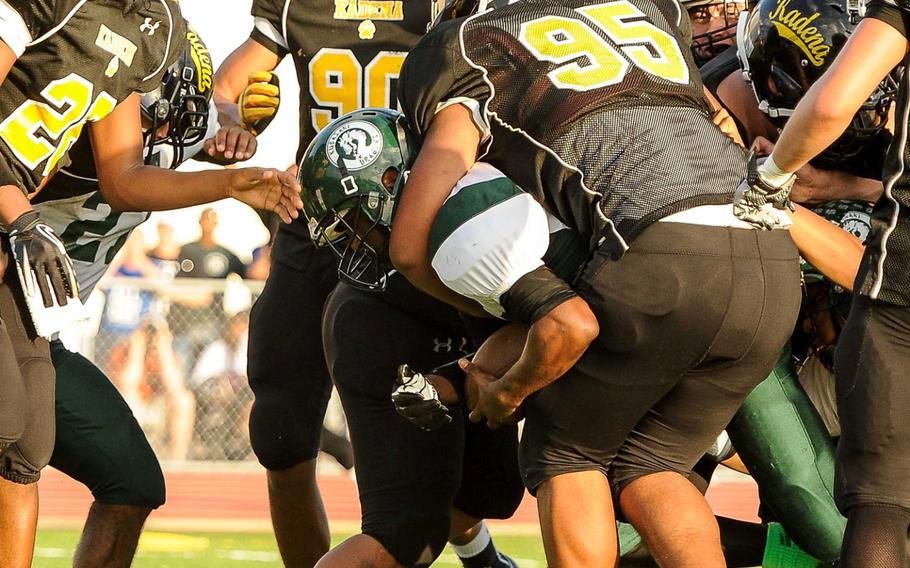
(707,40)
(181,102)
(784,46)
(444,10)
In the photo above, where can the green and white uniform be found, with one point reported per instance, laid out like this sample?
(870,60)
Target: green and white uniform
(489,233)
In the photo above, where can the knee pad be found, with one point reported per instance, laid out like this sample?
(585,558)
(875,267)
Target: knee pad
(22,466)
(414,539)
(283,435)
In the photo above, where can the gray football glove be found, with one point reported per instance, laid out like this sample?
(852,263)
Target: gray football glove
(42,257)
(417,401)
(753,193)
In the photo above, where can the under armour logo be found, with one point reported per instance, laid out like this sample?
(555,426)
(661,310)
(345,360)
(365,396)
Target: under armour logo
(442,346)
(149,27)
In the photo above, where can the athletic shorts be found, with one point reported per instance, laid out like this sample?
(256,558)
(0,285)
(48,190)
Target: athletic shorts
(286,365)
(691,319)
(99,442)
(409,479)
(873,400)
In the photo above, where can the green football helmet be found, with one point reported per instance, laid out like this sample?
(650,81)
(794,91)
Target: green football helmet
(351,176)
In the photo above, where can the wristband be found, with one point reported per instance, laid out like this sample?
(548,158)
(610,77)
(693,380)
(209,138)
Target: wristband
(771,173)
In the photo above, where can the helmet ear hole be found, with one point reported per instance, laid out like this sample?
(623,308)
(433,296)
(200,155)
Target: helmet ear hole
(389,177)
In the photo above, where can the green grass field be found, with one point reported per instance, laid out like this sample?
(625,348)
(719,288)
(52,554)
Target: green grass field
(231,550)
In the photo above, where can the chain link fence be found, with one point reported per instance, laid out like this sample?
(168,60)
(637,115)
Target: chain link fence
(176,349)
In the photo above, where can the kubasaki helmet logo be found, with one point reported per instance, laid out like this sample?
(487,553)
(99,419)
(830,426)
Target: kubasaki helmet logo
(795,26)
(857,223)
(358,143)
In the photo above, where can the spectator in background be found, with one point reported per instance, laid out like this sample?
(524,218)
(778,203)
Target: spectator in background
(197,316)
(205,258)
(167,251)
(126,305)
(149,378)
(223,395)
(262,260)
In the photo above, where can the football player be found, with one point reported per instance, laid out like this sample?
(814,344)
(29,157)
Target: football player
(347,55)
(65,64)
(765,76)
(713,26)
(417,489)
(610,138)
(625,383)
(778,72)
(98,441)
(872,352)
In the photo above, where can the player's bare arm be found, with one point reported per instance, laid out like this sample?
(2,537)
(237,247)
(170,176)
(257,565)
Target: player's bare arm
(555,342)
(835,252)
(128,185)
(12,201)
(873,50)
(448,152)
(230,81)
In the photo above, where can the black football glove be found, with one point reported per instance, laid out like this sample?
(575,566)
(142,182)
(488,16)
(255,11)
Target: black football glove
(417,401)
(753,193)
(41,257)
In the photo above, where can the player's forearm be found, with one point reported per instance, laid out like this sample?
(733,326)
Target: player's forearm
(147,188)
(13,203)
(228,112)
(555,343)
(830,249)
(820,186)
(820,118)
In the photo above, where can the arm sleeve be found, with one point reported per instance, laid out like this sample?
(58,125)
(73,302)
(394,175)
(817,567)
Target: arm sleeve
(893,12)
(268,25)
(534,295)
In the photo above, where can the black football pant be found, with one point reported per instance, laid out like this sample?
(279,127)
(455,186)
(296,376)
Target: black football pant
(286,364)
(408,479)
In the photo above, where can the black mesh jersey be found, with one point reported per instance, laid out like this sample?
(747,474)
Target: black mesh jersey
(885,273)
(84,58)
(347,53)
(596,109)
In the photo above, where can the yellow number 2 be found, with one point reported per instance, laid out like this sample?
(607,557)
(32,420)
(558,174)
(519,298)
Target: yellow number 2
(60,122)
(632,40)
(340,85)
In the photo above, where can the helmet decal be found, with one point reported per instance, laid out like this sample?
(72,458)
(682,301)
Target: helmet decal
(357,144)
(203,60)
(797,27)
(857,223)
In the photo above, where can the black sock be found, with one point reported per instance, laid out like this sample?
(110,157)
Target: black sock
(876,537)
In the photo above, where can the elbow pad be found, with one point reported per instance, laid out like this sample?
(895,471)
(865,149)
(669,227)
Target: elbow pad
(534,295)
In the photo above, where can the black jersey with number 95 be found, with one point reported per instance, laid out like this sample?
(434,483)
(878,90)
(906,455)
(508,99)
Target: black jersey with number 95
(596,108)
(77,61)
